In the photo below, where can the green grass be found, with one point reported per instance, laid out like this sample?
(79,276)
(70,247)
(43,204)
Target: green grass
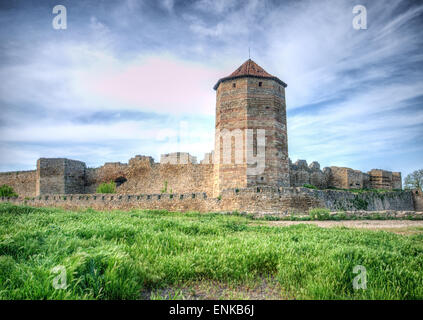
(310,186)
(107,187)
(7,191)
(119,255)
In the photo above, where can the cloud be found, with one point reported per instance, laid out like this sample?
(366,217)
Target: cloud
(156,83)
(354,97)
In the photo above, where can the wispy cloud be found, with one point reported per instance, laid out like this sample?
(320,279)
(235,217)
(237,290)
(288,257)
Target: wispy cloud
(354,97)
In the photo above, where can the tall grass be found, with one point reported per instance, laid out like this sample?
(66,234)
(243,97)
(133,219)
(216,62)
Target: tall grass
(7,191)
(107,187)
(116,255)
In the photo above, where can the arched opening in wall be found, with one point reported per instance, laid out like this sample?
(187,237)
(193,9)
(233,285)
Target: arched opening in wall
(119,181)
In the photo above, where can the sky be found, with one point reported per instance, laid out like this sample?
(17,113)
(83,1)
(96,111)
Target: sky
(136,77)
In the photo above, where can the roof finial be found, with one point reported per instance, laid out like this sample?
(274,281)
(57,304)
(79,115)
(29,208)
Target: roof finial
(249,57)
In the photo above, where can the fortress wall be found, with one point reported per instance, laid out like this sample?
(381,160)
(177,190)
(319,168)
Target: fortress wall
(50,176)
(381,179)
(418,200)
(108,172)
(59,175)
(301,174)
(180,178)
(255,200)
(177,202)
(23,182)
(74,176)
(143,175)
(368,201)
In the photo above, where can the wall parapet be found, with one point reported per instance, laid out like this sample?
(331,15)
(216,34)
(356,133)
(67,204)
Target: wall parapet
(256,200)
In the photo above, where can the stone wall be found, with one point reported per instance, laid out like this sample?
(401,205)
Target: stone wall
(367,201)
(347,178)
(256,200)
(177,158)
(382,179)
(143,175)
(301,174)
(59,175)
(23,182)
(250,122)
(341,177)
(417,199)
(110,171)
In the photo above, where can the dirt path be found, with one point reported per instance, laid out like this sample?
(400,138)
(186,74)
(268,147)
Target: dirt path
(397,226)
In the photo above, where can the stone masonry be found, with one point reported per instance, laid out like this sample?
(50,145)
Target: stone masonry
(251,151)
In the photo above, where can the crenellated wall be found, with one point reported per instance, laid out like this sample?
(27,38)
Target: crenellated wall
(255,200)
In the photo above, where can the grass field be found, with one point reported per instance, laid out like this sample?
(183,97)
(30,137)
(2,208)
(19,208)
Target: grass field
(162,255)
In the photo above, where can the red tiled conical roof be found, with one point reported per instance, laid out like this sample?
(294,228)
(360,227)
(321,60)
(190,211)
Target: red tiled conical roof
(249,69)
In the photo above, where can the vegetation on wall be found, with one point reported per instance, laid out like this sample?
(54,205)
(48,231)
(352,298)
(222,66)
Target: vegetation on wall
(164,189)
(310,186)
(7,191)
(105,187)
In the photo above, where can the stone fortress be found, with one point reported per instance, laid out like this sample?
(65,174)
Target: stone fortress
(249,169)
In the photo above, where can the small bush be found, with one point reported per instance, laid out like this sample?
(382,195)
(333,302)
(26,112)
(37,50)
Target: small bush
(7,191)
(340,216)
(319,214)
(310,186)
(164,189)
(107,187)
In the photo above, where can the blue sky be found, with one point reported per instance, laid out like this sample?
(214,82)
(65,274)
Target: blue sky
(135,77)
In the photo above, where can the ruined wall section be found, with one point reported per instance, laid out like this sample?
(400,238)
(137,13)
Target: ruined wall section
(177,158)
(382,179)
(60,175)
(347,178)
(50,176)
(417,199)
(301,174)
(23,182)
(110,171)
(74,176)
(143,175)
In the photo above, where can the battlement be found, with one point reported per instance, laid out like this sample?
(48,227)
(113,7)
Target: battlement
(261,200)
(177,158)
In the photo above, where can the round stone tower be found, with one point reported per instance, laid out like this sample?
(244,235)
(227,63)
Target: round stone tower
(251,145)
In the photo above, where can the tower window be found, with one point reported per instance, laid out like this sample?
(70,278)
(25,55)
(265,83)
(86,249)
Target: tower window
(234,85)
(260,84)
